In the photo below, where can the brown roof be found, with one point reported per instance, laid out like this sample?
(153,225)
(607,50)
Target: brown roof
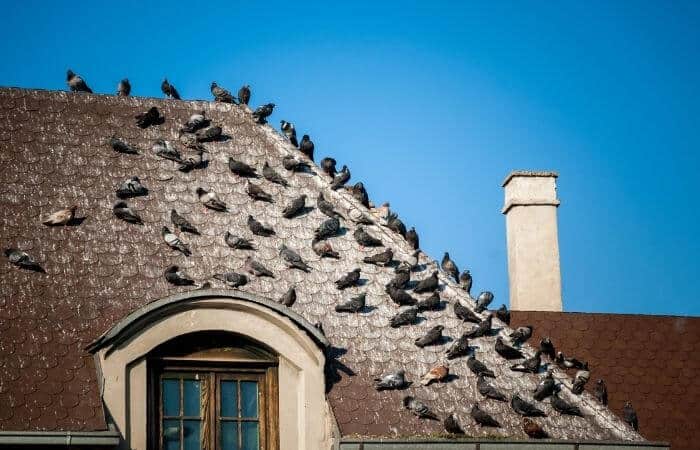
(652,361)
(54,153)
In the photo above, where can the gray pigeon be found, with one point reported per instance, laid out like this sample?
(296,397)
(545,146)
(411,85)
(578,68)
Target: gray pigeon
(324,249)
(258,228)
(122,211)
(257,193)
(241,169)
(327,229)
(272,176)
(545,388)
(380,259)
(399,296)
(210,200)
(209,134)
(195,122)
(488,391)
(481,329)
(174,276)
(148,118)
(432,337)
(169,90)
(431,303)
(506,350)
(120,146)
(450,267)
(406,317)
(418,408)
(76,83)
(124,88)
(452,425)
(293,165)
(412,238)
(630,416)
(524,408)
(601,392)
(459,348)
(483,301)
(402,276)
(165,150)
(348,280)
(547,348)
(360,194)
(394,380)
(193,162)
(289,297)
(340,178)
(503,314)
(261,113)
(295,207)
(174,242)
(237,242)
(244,94)
(355,304)
(428,284)
(220,94)
(365,239)
(482,417)
(465,314)
(23,260)
(306,146)
(563,407)
(181,223)
(531,365)
(293,259)
(479,368)
(328,166)
(580,380)
(521,335)
(131,188)
(326,207)
(232,279)
(465,281)
(569,362)
(395,224)
(289,131)
(255,268)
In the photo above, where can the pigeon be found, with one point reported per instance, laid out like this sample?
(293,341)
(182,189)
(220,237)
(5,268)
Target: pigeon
(289,131)
(124,88)
(545,388)
(450,267)
(328,166)
(399,296)
(209,134)
(479,368)
(483,301)
(220,94)
(244,94)
(418,408)
(237,242)
(165,150)
(272,176)
(324,249)
(432,337)
(174,242)
(380,259)
(257,193)
(521,335)
(232,279)
(258,228)
(465,314)
(306,146)
(601,392)
(563,407)
(390,381)
(295,207)
(402,276)
(406,317)
(482,417)
(355,304)
(580,380)
(195,122)
(23,260)
(293,259)
(181,223)
(431,303)
(437,373)
(148,118)
(348,280)
(122,211)
(261,113)
(395,224)
(210,200)
(533,429)
(487,390)
(241,169)
(524,408)
(169,90)
(630,416)
(131,188)
(76,83)
(569,363)
(428,284)
(360,194)
(326,207)
(481,329)
(340,178)
(412,238)
(452,425)
(503,314)
(547,348)
(289,297)
(506,351)
(465,281)
(193,162)
(327,229)
(120,146)
(204,286)
(459,348)
(529,365)
(174,276)
(61,217)
(293,165)
(365,239)
(255,268)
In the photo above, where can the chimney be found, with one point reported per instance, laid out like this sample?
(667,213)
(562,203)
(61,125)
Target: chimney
(532,238)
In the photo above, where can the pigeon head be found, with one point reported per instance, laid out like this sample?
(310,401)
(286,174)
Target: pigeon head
(69,75)
(164,230)
(214,85)
(201,191)
(401,372)
(356,270)
(172,269)
(628,404)
(72,208)
(486,296)
(282,247)
(545,340)
(305,137)
(407,400)
(440,328)
(600,382)
(9,251)
(447,256)
(120,204)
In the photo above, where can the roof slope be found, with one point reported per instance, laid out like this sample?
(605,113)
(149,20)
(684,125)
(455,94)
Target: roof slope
(651,361)
(54,153)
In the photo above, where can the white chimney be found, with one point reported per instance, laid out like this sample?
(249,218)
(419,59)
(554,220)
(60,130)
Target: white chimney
(532,238)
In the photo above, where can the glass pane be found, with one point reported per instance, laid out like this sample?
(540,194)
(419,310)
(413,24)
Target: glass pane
(250,435)
(229,399)
(191,393)
(249,399)
(171,397)
(229,435)
(171,434)
(190,431)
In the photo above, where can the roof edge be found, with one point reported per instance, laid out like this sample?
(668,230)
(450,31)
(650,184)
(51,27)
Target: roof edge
(529,442)
(529,173)
(108,438)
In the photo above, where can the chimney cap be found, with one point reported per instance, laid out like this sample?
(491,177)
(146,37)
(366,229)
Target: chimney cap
(529,173)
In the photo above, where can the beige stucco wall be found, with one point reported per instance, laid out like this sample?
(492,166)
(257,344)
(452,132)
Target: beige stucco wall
(304,416)
(532,238)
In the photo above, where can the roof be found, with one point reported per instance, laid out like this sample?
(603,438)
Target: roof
(54,153)
(651,361)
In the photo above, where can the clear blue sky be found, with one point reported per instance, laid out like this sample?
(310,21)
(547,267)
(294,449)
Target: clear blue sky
(431,106)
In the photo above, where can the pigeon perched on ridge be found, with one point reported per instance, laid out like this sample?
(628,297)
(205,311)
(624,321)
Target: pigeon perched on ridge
(76,83)
(295,207)
(525,408)
(348,280)
(402,276)
(241,169)
(327,229)
(533,429)
(272,176)
(289,297)
(328,166)
(506,351)
(255,268)
(193,162)
(341,178)
(324,249)
(465,281)
(244,94)
(122,211)
(545,388)
(503,314)
(174,242)
(195,122)
(563,407)
(437,373)
(580,380)
(479,368)
(181,223)
(360,194)
(293,165)
(23,260)
(430,303)
(601,392)
(487,390)
(406,317)
(204,286)
(293,259)
(450,267)
(220,94)
(569,362)
(261,113)
(257,193)
(131,188)
(412,238)
(326,207)
(365,239)
(432,337)
(237,242)
(210,200)
(289,131)
(418,408)
(148,118)
(460,347)
(380,259)
(399,296)
(465,314)
(483,301)
(482,417)
(124,88)
(306,146)
(452,425)
(547,348)
(258,228)
(209,134)
(521,335)
(630,416)
(61,217)
(428,284)
(120,146)
(395,224)
(390,381)
(174,276)
(169,90)
(355,304)
(232,279)
(531,365)
(481,329)
(165,150)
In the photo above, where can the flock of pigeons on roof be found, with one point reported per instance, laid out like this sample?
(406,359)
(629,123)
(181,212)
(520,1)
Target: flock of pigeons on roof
(198,130)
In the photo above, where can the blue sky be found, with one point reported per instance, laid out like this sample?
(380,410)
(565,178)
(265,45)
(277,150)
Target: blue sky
(432,104)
